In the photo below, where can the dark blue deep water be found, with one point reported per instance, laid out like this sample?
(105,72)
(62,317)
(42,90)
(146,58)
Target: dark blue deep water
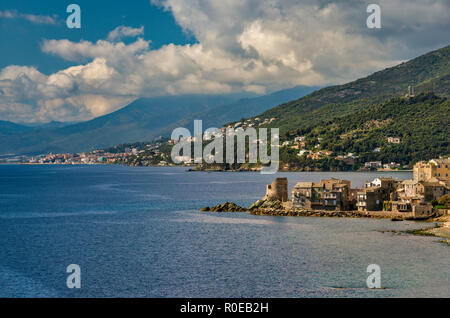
(137,232)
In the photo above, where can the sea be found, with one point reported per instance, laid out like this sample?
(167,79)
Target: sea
(138,232)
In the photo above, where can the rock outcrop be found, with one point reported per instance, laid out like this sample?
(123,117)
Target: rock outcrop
(266,205)
(225,207)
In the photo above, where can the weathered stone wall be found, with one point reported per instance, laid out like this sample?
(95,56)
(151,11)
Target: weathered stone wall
(422,211)
(388,214)
(278,190)
(288,205)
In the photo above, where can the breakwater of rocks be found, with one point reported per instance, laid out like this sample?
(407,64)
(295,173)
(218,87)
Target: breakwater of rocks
(316,213)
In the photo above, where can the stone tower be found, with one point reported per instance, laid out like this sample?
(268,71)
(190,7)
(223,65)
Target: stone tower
(278,190)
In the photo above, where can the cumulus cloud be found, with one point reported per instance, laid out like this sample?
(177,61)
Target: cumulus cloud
(242,45)
(87,50)
(27,95)
(123,31)
(39,19)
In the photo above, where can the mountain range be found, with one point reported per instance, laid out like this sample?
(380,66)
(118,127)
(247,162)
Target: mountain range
(141,120)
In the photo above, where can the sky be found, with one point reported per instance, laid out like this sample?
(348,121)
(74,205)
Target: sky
(125,50)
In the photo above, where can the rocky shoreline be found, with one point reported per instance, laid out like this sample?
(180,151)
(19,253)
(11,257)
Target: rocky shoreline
(317,213)
(269,207)
(441,229)
(266,206)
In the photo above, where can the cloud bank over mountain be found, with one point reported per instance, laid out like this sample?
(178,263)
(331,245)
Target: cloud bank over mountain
(242,45)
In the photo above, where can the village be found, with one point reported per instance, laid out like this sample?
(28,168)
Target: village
(113,155)
(381,197)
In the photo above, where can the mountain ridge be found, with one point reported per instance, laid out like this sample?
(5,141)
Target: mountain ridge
(142,120)
(422,71)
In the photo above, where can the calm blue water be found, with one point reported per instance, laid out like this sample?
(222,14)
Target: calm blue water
(137,232)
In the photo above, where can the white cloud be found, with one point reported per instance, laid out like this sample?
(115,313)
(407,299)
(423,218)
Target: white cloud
(123,31)
(82,50)
(69,95)
(7,14)
(39,19)
(243,45)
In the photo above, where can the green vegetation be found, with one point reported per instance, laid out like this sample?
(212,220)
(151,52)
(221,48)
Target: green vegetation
(421,123)
(422,232)
(429,72)
(358,118)
(444,202)
(122,147)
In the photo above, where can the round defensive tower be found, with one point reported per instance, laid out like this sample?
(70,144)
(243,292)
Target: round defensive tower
(278,190)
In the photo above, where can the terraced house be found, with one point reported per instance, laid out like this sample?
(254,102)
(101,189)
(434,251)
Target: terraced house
(332,194)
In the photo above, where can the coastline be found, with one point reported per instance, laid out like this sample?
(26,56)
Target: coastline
(191,169)
(338,214)
(441,229)
(292,170)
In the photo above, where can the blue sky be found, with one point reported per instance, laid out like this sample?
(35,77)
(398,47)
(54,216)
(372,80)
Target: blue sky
(99,17)
(145,48)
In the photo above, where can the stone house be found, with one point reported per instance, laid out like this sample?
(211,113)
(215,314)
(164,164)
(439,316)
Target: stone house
(400,206)
(422,210)
(387,186)
(373,164)
(423,190)
(393,140)
(370,199)
(435,168)
(332,194)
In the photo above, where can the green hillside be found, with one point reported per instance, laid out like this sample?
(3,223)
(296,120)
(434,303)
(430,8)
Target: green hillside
(429,72)
(421,123)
